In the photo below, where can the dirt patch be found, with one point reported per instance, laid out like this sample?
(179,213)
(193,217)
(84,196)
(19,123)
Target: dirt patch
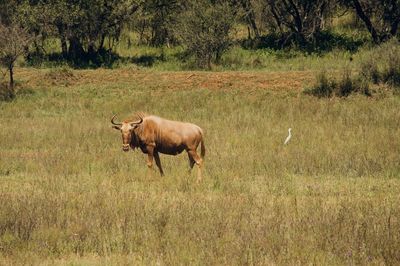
(293,80)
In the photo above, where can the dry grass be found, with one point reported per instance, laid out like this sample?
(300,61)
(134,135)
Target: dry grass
(69,195)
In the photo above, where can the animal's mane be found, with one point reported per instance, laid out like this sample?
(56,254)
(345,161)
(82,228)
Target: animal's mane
(136,117)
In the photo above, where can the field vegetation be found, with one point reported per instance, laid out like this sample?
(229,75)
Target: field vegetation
(244,71)
(69,195)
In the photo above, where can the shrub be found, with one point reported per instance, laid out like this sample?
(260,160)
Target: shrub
(205,30)
(329,87)
(324,86)
(382,65)
(391,74)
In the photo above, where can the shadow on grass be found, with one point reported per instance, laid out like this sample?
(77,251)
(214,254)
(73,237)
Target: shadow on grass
(105,59)
(285,46)
(323,42)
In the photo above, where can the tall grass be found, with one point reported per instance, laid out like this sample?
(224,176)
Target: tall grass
(68,194)
(383,64)
(343,87)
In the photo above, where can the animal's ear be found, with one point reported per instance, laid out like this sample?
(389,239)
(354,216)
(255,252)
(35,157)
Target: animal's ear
(116,127)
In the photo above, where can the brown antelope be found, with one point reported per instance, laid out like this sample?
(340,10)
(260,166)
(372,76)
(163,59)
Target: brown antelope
(154,135)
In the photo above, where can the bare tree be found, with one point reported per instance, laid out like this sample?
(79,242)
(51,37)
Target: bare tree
(14,42)
(299,18)
(381,17)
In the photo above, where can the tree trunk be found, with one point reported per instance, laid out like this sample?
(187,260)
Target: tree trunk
(394,27)
(11,89)
(251,17)
(367,21)
(75,48)
(91,49)
(101,45)
(395,18)
(63,39)
(209,58)
(276,17)
(64,47)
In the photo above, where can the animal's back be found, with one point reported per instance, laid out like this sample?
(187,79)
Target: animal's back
(174,127)
(172,133)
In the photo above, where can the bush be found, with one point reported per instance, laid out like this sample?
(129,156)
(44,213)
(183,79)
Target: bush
(324,86)
(347,85)
(382,65)
(205,30)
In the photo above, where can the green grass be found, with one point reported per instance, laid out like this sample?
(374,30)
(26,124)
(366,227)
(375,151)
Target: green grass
(69,195)
(236,58)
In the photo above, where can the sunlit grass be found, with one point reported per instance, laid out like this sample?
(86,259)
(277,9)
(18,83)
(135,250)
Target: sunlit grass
(70,195)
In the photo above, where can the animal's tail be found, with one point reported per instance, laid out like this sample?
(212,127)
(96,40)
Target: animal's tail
(202,147)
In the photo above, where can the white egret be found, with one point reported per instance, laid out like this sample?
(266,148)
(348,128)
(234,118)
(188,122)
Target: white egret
(288,137)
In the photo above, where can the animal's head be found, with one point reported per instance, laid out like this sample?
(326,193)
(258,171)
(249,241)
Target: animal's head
(126,129)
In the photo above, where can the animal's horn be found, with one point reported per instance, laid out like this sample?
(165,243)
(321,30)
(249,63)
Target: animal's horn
(112,121)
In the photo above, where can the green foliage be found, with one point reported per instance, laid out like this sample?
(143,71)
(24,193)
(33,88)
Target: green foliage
(88,31)
(205,37)
(381,18)
(81,26)
(155,20)
(7,11)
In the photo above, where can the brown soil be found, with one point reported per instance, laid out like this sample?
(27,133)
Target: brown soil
(184,80)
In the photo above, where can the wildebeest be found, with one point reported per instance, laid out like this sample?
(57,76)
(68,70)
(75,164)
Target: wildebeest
(154,135)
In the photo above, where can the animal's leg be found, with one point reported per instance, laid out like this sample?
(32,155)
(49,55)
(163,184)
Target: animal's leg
(150,152)
(158,163)
(191,162)
(198,161)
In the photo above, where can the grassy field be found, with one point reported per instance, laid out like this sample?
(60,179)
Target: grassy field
(70,196)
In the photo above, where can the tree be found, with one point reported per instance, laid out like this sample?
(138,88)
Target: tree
(301,19)
(381,17)
(249,16)
(14,42)
(82,26)
(205,30)
(7,9)
(156,19)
